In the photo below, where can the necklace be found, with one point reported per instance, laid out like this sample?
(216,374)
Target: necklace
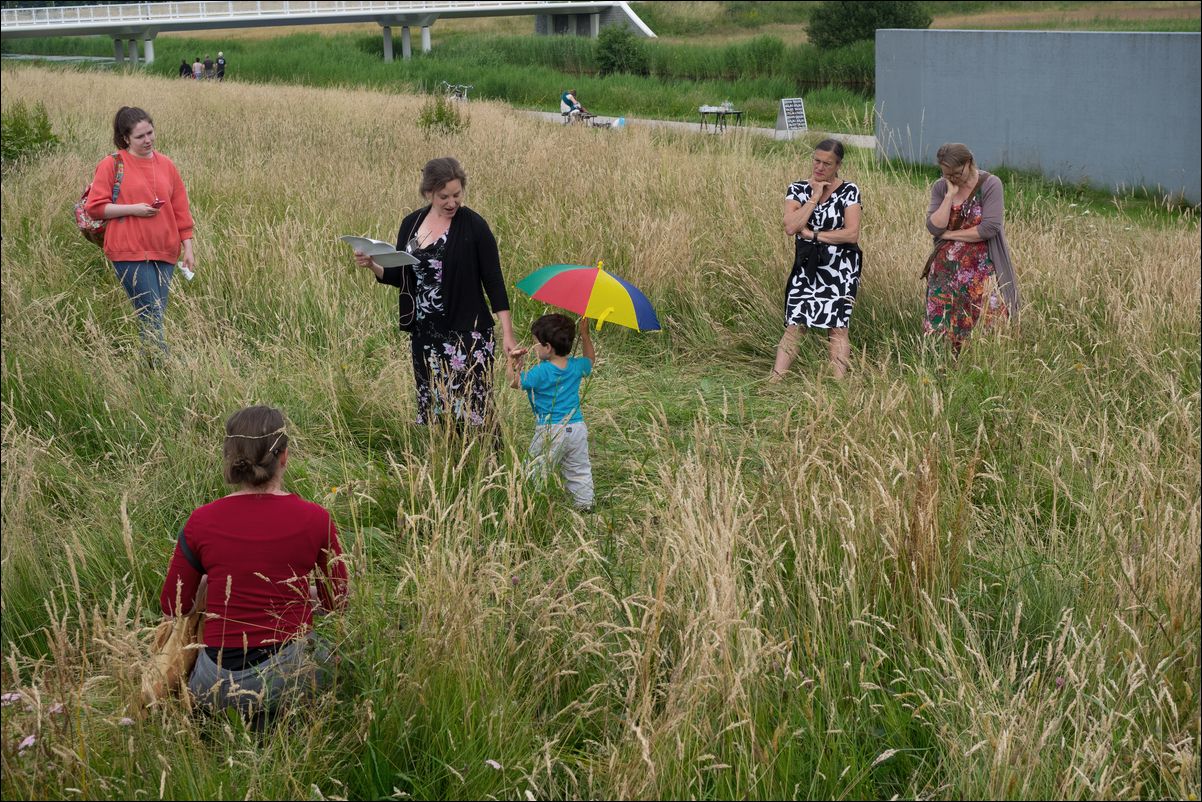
(154,176)
(430,236)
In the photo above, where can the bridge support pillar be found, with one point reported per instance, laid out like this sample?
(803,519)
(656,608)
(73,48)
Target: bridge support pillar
(406,43)
(118,51)
(148,50)
(387,43)
(425,38)
(133,52)
(567,24)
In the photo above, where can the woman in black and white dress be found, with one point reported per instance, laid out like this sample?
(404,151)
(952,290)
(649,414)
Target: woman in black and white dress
(824,216)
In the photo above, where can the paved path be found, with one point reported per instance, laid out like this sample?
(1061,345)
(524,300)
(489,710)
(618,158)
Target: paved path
(855,140)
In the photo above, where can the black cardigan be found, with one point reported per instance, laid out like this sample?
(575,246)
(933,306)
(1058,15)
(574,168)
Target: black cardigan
(473,267)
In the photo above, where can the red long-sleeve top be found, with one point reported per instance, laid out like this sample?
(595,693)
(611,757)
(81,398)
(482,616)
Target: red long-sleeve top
(140,239)
(258,552)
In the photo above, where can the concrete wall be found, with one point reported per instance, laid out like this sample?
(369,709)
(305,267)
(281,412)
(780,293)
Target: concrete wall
(591,24)
(1114,110)
(626,18)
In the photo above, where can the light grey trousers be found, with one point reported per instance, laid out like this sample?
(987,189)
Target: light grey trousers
(563,446)
(293,670)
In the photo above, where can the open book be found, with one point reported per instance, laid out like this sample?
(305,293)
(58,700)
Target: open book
(382,252)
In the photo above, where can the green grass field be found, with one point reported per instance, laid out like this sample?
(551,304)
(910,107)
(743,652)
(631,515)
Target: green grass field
(965,579)
(531,72)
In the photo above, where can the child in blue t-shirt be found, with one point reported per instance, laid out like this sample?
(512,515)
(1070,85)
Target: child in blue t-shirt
(553,387)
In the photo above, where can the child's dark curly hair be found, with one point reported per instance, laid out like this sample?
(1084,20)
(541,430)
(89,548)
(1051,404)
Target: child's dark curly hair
(557,331)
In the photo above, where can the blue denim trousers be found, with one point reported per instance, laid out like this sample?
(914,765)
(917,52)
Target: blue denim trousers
(146,284)
(301,667)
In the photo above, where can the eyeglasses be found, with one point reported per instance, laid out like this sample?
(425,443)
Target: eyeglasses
(961,172)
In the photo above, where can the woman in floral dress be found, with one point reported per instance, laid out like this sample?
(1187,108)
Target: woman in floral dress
(442,300)
(970,276)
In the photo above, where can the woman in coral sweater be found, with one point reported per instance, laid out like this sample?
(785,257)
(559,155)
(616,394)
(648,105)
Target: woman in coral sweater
(150,224)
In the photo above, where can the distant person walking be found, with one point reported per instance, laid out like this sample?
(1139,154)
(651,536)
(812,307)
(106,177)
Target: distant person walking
(185,69)
(823,215)
(150,224)
(220,66)
(970,275)
(208,66)
(198,69)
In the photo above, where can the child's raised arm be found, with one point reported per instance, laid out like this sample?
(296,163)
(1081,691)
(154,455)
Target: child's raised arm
(586,342)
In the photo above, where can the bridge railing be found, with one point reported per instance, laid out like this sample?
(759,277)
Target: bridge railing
(214,9)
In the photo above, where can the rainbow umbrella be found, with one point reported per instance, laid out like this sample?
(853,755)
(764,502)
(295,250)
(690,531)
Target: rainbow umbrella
(592,292)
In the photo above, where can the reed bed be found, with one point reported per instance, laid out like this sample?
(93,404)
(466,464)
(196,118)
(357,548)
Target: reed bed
(532,71)
(939,579)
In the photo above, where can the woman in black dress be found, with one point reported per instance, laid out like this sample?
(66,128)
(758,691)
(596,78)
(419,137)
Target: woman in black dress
(824,216)
(442,300)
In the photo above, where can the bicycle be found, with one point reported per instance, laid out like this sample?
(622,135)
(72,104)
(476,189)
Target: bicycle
(455,91)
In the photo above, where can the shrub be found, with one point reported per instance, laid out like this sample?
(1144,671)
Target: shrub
(25,132)
(835,24)
(619,51)
(442,116)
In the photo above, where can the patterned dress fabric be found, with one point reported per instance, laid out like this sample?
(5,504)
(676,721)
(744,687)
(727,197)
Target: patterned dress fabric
(962,289)
(821,291)
(453,369)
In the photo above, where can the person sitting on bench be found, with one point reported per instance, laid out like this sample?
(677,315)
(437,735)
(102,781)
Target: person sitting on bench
(570,107)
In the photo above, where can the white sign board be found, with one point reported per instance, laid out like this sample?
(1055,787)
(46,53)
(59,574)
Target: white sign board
(791,117)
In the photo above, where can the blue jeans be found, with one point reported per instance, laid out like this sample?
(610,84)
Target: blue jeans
(146,284)
(303,665)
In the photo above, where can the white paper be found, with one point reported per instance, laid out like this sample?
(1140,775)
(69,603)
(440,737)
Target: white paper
(383,253)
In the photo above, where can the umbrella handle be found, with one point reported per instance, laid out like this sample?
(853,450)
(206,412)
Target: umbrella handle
(602,316)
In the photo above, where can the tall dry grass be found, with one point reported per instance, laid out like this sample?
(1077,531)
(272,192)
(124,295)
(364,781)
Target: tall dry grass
(969,579)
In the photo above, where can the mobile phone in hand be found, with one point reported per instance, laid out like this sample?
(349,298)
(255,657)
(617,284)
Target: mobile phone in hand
(157,204)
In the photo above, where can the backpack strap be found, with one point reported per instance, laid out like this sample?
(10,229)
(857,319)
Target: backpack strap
(120,175)
(189,555)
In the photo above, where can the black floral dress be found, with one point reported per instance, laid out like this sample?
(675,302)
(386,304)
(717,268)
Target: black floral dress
(825,278)
(452,369)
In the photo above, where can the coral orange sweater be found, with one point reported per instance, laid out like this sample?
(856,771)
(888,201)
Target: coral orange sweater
(138,239)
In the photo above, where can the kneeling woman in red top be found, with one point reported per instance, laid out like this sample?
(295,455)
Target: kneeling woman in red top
(256,550)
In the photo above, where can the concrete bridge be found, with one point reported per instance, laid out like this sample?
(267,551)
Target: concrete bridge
(126,23)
